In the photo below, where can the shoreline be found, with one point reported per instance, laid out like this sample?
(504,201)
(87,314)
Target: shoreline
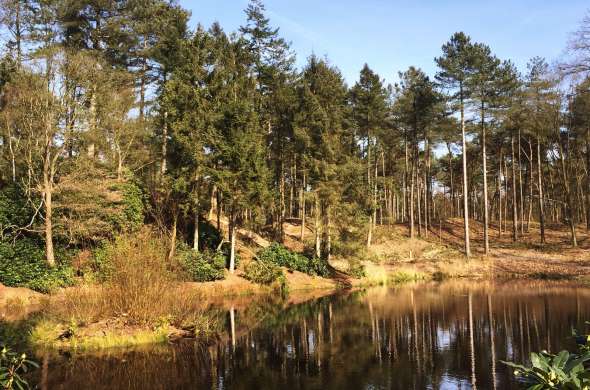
(233,293)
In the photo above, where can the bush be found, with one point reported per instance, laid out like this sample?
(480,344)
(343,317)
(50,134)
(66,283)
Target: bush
(203,266)
(137,277)
(262,272)
(279,255)
(22,264)
(266,273)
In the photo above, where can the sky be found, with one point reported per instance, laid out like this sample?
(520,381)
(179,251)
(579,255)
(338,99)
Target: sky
(392,35)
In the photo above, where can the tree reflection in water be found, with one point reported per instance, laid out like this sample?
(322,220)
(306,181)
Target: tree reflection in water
(447,335)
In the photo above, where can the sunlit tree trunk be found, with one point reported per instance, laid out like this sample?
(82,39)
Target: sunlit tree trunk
(302,207)
(514,201)
(232,238)
(485,182)
(541,199)
(465,187)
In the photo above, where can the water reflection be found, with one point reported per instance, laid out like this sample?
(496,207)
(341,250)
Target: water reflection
(439,336)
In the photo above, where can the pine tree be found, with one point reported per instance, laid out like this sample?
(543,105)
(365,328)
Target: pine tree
(273,65)
(369,109)
(456,69)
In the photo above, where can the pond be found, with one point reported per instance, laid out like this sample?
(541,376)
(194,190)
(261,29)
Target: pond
(449,335)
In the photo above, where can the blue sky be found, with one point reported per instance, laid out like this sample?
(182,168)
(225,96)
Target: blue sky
(392,35)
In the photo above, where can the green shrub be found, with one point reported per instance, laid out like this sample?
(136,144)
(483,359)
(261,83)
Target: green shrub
(203,266)
(22,264)
(548,371)
(12,367)
(262,272)
(131,216)
(277,254)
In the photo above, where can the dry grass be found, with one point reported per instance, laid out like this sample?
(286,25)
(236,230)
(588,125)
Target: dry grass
(140,297)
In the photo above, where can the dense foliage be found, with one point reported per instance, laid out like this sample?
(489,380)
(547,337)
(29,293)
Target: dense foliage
(205,266)
(263,272)
(22,264)
(279,255)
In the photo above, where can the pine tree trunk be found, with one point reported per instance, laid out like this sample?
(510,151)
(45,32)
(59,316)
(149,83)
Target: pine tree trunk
(164,146)
(418,203)
(282,202)
(465,187)
(412,185)
(484,159)
(326,241)
(500,194)
(568,197)
(232,233)
(317,225)
(453,212)
(541,199)
(302,207)
(530,212)
(520,187)
(514,201)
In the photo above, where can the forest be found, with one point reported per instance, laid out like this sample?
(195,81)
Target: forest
(108,102)
(129,139)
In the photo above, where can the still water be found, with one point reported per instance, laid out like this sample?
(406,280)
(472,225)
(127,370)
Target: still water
(449,335)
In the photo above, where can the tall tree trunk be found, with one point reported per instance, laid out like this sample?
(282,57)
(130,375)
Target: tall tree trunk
(520,186)
(316,212)
(568,197)
(232,239)
(514,201)
(465,187)
(530,212)
(453,212)
(164,146)
(48,192)
(282,201)
(326,240)
(485,182)
(541,199)
(302,207)
(369,190)
(48,181)
(500,204)
(412,185)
